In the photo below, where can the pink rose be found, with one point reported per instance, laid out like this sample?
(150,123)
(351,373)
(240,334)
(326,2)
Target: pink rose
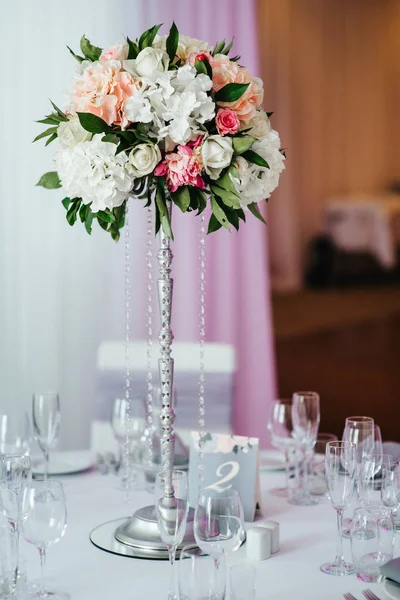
(117,52)
(227,121)
(193,56)
(181,168)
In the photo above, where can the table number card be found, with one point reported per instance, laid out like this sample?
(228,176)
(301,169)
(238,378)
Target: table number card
(229,462)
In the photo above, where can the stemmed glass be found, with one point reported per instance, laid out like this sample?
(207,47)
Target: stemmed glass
(374,465)
(172,510)
(15,472)
(390,485)
(340,469)
(218,522)
(44,520)
(306,417)
(128,422)
(280,428)
(46,423)
(198,577)
(15,434)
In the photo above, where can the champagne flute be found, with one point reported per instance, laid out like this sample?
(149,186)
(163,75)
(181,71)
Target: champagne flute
(390,487)
(46,423)
(15,434)
(306,417)
(340,469)
(280,427)
(172,509)
(44,521)
(128,422)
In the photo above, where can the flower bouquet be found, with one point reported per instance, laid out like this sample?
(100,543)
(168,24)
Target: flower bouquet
(165,119)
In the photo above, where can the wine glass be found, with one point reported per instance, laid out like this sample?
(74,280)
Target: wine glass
(280,428)
(373,467)
(390,485)
(199,577)
(15,434)
(306,417)
(172,507)
(128,422)
(15,473)
(219,522)
(46,423)
(340,469)
(44,520)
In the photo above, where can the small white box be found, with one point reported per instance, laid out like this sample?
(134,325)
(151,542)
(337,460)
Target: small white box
(258,543)
(273,527)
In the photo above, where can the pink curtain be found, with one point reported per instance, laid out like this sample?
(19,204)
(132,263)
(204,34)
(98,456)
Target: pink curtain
(238,302)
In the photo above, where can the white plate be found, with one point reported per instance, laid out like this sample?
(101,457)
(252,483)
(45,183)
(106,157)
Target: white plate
(271,460)
(64,463)
(391,589)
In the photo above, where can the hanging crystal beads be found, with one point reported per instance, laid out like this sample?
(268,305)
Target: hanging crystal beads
(149,331)
(202,335)
(127,313)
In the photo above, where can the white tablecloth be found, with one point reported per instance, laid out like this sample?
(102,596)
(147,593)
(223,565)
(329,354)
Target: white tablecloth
(74,565)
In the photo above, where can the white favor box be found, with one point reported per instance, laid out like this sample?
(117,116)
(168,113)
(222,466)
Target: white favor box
(273,527)
(258,543)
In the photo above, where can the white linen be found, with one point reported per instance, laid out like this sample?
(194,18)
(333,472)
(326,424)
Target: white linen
(365,224)
(307,539)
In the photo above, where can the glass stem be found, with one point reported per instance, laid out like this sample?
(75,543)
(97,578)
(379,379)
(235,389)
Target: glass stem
(286,453)
(42,554)
(46,465)
(339,548)
(15,552)
(172,584)
(305,474)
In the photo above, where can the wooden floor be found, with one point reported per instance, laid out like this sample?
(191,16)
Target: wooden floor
(355,366)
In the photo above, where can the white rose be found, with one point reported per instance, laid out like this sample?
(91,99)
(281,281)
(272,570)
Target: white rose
(71,133)
(259,125)
(143,159)
(148,63)
(217,154)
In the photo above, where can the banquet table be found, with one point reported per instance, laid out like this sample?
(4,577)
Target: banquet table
(307,539)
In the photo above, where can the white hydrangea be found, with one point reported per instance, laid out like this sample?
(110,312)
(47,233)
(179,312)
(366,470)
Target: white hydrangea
(257,183)
(177,104)
(92,171)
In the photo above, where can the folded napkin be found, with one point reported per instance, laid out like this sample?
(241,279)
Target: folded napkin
(391,570)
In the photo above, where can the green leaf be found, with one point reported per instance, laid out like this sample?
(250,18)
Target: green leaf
(60,113)
(162,207)
(76,56)
(202,198)
(213,225)
(219,213)
(93,123)
(89,51)
(50,120)
(147,38)
(50,181)
(133,49)
(106,216)
(225,182)
(89,220)
(227,197)
(231,92)
(110,137)
(255,158)
(82,212)
(228,48)
(103,224)
(73,210)
(269,114)
(181,198)
(253,208)
(66,202)
(172,42)
(219,46)
(241,144)
(233,217)
(51,139)
(119,214)
(241,214)
(44,134)
(203,66)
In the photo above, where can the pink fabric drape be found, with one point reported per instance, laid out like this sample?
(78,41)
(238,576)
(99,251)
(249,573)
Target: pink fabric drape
(238,303)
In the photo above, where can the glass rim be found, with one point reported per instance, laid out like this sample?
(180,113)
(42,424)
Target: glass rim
(341,444)
(48,393)
(359,419)
(306,393)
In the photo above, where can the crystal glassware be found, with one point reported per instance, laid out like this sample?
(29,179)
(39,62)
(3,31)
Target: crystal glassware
(46,423)
(44,521)
(15,474)
(306,417)
(172,511)
(280,428)
(372,541)
(15,434)
(340,468)
(199,577)
(371,476)
(243,582)
(128,422)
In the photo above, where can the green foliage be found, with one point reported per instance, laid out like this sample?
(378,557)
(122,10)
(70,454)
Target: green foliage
(219,213)
(76,56)
(105,215)
(172,42)
(241,144)
(228,198)
(231,92)
(89,51)
(203,66)
(50,181)
(73,211)
(253,208)
(147,38)
(213,225)
(46,133)
(110,137)
(221,48)
(133,49)
(93,123)
(255,158)
(60,113)
(162,209)
(181,198)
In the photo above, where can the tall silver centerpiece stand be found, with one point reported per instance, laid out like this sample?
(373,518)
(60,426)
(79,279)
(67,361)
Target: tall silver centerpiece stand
(141,532)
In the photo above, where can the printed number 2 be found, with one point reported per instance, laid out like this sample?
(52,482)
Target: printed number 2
(233,467)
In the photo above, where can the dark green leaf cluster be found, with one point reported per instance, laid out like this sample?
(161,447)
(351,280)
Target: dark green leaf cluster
(89,51)
(109,220)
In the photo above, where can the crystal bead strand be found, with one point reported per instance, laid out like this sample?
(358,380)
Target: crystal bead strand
(127,312)
(149,326)
(202,334)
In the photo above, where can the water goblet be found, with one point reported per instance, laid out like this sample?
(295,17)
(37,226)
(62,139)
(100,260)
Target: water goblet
(199,577)
(340,468)
(15,433)
(280,427)
(172,507)
(128,422)
(371,476)
(44,521)
(306,417)
(46,423)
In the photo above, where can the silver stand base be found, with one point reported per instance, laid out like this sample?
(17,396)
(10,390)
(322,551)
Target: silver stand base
(141,534)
